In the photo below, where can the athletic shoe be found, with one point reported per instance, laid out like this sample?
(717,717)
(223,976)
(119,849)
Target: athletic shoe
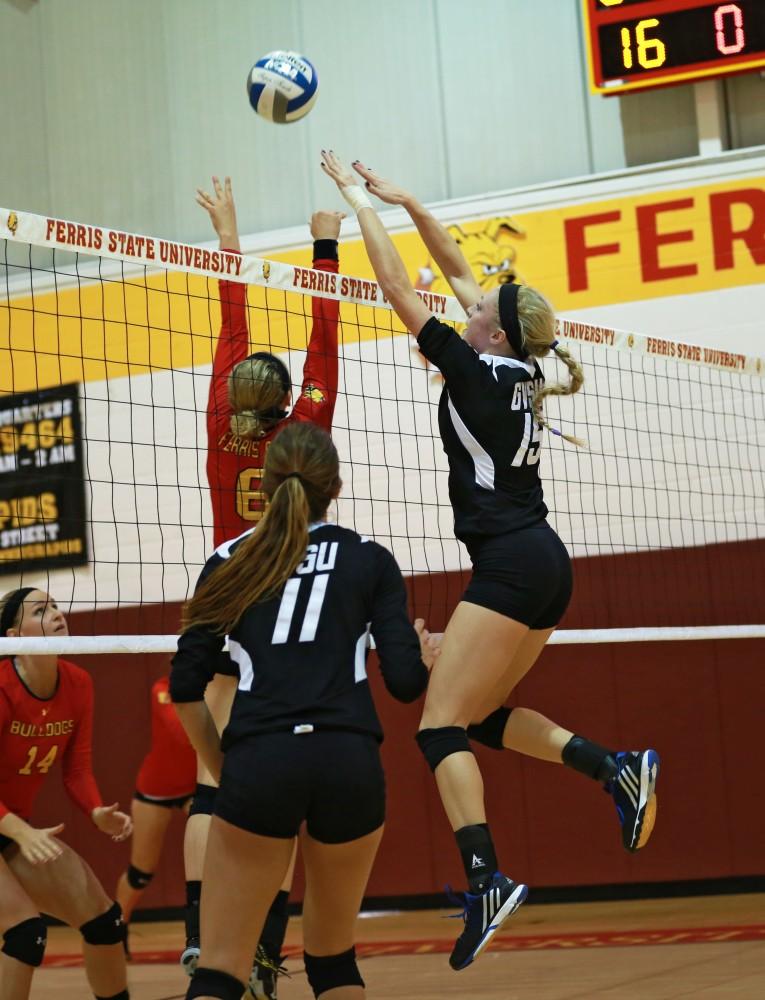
(634,794)
(190,956)
(484,914)
(264,976)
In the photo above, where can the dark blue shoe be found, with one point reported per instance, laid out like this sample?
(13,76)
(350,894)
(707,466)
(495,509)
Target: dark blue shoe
(484,915)
(634,794)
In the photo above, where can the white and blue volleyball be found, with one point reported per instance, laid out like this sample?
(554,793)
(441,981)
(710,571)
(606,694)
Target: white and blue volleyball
(282,86)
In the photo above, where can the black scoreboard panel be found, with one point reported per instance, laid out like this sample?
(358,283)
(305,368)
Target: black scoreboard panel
(636,44)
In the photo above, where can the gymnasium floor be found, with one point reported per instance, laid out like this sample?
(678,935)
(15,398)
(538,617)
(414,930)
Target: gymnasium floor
(701,948)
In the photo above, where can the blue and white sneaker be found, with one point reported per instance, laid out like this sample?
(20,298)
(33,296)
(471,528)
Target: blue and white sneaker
(484,914)
(634,794)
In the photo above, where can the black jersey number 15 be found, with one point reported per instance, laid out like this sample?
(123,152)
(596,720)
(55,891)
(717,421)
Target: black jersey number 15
(530,443)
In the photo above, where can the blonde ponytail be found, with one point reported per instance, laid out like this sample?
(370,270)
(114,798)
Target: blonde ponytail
(575,383)
(537,320)
(255,390)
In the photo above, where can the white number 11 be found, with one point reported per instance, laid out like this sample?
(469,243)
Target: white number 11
(312,611)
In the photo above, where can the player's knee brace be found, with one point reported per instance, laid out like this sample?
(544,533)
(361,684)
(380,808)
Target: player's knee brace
(437,744)
(212,983)
(26,941)
(329,972)
(122,995)
(203,802)
(138,879)
(106,928)
(491,730)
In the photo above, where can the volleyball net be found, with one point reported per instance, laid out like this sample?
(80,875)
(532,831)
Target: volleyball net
(106,342)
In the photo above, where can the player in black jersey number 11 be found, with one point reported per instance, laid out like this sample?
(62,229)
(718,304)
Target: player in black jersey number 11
(490,420)
(298,598)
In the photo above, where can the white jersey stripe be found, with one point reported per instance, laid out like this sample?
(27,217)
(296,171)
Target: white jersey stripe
(482,460)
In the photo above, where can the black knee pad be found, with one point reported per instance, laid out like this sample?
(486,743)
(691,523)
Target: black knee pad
(138,879)
(26,941)
(490,731)
(203,802)
(437,744)
(106,928)
(212,983)
(328,972)
(122,995)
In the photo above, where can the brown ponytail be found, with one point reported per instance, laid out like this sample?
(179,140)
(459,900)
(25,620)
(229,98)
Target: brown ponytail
(301,478)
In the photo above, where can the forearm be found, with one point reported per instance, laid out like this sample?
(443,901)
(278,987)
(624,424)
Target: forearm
(385,259)
(442,247)
(229,240)
(13,826)
(200,728)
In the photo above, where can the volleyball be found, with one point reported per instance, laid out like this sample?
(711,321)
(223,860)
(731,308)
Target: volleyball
(282,86)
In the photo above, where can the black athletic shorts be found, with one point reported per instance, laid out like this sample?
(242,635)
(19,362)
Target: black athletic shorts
(5,842)
(331,779)
(524,575)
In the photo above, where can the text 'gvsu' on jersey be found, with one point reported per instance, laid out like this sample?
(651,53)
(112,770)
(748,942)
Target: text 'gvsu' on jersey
(302,654)
(490,435)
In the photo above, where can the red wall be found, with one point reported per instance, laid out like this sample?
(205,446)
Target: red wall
(698,703)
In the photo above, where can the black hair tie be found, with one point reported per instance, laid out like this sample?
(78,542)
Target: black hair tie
(508,317)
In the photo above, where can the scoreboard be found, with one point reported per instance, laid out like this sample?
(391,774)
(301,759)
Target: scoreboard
(636,44)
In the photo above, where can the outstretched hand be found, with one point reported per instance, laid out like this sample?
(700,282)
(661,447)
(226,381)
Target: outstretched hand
(430,644)
(379,187)
(110,820)
(222,211)
(334,167)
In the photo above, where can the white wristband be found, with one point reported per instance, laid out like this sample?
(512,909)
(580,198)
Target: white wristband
(356,197)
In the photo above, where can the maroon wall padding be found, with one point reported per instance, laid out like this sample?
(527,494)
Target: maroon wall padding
(698,703)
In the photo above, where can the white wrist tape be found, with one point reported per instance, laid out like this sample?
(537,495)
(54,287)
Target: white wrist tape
(356,197)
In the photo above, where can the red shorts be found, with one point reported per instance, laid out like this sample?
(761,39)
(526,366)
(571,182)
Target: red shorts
(164,776)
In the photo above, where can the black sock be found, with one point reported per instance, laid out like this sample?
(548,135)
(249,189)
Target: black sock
(590,759)
(275,927)
(193,893)
(478,856)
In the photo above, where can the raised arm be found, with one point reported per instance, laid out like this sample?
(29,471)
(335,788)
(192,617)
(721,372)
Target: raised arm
(384,257)
(234,340)
(318,393)
(442,247)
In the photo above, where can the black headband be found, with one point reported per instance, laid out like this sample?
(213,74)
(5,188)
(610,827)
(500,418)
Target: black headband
(277,364)
(508,317)
(11,608)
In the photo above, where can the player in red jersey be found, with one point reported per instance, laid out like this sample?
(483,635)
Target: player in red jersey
(165,782)
(46,714)
(249,400)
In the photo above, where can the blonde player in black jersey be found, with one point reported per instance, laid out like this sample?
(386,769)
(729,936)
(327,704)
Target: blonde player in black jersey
(298,598)
(490,419)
